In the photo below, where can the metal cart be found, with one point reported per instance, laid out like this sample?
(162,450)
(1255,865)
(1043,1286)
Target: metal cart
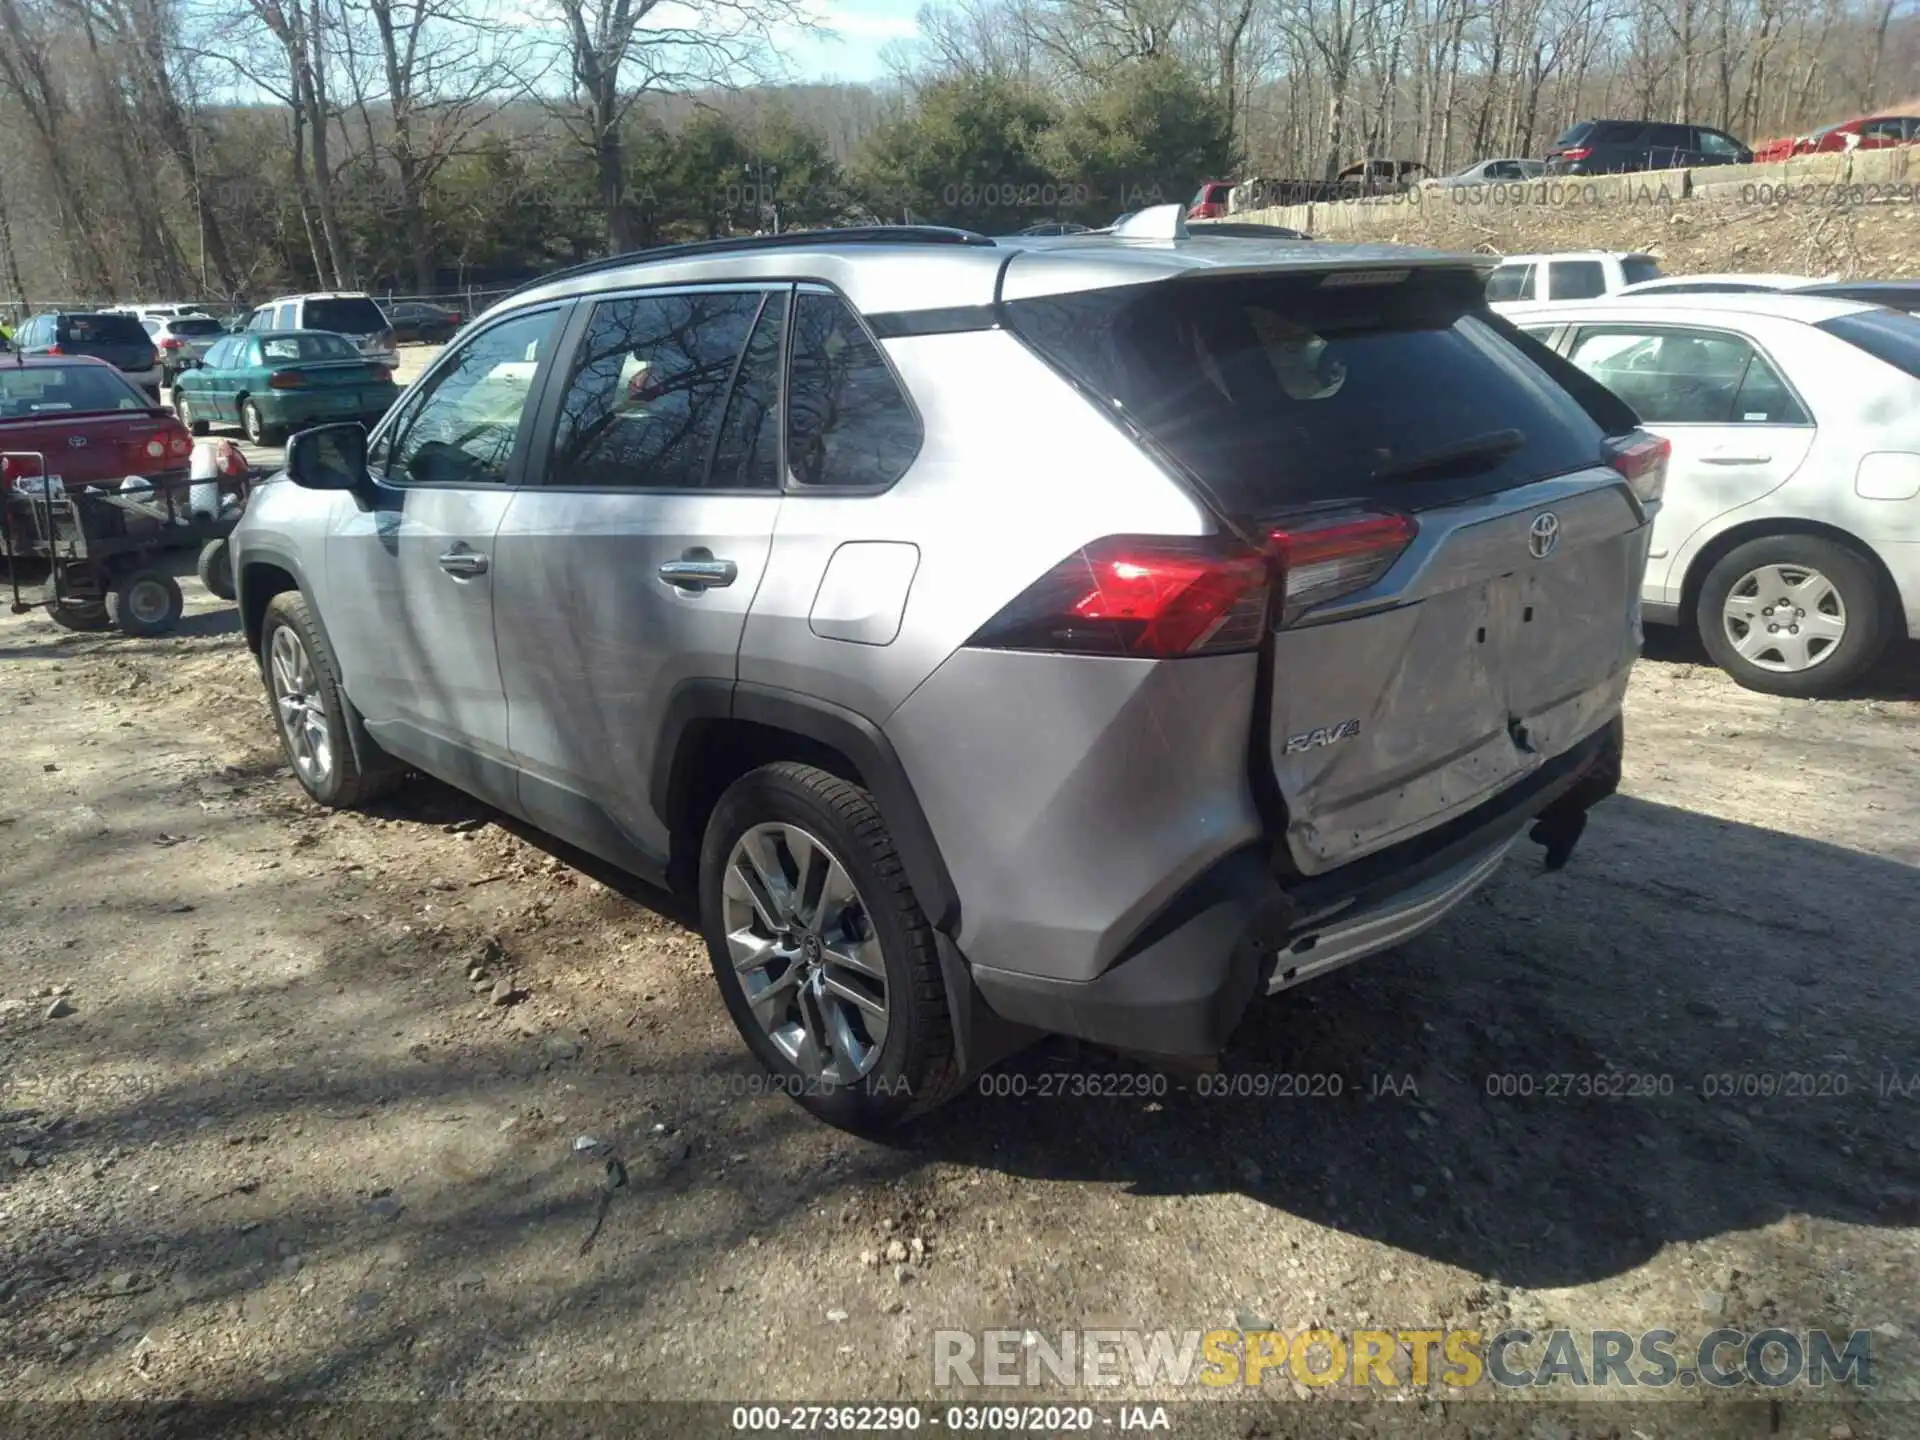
(105,549)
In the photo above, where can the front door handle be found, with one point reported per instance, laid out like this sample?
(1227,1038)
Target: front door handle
(463,564)
(698,570)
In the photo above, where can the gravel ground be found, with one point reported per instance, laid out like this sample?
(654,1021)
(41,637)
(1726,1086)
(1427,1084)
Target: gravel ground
(293,1103)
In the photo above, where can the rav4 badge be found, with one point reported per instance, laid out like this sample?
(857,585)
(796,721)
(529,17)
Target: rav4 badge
(1326,735)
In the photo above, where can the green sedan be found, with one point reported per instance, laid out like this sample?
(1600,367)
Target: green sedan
(269,382)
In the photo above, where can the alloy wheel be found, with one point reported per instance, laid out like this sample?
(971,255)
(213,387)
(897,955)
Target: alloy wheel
(296,700)
(1785,618)
(803,946)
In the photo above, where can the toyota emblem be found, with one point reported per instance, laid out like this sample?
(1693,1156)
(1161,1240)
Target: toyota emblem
(78,442)
(1544,534)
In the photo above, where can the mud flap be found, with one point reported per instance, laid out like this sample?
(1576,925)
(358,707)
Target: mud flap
(1558,828)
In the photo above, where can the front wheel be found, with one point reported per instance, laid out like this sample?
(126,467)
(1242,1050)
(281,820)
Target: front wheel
(333,757)
(1793,615)
(822,954)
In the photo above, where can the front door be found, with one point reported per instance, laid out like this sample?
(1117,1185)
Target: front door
(632,566)
(411,576)
(1738,430)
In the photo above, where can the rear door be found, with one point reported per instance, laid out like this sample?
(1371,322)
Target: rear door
(1462,571)
(632,565)
(1737,428)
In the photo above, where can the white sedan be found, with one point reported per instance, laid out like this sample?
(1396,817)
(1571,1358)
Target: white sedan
(1790,530)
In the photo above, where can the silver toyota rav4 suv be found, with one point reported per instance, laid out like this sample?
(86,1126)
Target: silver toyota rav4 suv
(1076,634)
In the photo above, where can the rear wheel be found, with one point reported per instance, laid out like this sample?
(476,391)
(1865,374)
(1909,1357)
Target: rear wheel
(146,602)
(822,954)
(333,757)
(215,569)
(195,425)
(84,616)
(258,431)
(1793,615)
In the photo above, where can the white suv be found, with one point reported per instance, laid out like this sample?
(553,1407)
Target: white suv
(1790,535)
(1575,275)
(351,313)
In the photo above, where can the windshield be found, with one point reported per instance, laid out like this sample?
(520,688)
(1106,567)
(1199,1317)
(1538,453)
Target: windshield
(280,349)
(1274,391)
(355,316)
(52,389)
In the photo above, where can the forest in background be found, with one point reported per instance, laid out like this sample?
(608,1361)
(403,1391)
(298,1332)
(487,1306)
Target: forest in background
(169,148)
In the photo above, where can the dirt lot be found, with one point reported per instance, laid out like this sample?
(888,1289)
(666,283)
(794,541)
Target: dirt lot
(292,1100)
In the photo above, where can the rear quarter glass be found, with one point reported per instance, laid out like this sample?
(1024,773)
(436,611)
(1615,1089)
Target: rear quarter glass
(1273,393)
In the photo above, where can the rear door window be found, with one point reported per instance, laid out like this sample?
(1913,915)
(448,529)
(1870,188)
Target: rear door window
(1274,392)
(1712,142)
(1577,280)
(849,426)
(649,388)
(1617,132)
(1687,377)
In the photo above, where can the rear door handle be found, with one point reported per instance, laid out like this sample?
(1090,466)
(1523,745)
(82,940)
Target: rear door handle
(1734,457)
(463,564)
(698,572)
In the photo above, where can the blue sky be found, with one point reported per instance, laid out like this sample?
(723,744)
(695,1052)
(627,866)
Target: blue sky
(861,29)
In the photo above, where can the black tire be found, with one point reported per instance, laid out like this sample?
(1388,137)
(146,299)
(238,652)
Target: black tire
(215,569)
(145,602)
(87,617)
(1837,665)
(361,771)
(195,426)
(916,1068)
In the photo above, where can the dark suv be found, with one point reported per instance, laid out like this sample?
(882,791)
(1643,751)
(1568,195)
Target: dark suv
(1609,147)
(120,340)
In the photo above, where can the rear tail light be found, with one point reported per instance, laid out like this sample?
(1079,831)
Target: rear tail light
(1578,152)
(1152,597)
(1321,560)
(170,343)
(286,380)
(55,350)
(19,467)
(1641,460)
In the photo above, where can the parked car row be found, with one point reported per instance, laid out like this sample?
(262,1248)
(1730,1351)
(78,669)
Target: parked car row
(1789,538)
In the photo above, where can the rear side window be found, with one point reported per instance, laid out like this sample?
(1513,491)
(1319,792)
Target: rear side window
(848,425)
(1670,137)
(649,388)
(101,330)
(1635,268)
(1884,334)
(1617,132)
(354,316)
(1510,282)
(1578,279)
(1275,392)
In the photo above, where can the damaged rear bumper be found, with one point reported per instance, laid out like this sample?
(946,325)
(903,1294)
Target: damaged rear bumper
(1241,929)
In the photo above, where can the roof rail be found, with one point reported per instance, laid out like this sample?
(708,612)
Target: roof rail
(792,239)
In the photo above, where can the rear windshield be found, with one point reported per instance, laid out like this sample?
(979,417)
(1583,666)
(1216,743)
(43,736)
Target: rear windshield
(281,349)
(200,326)
(1275,392)
(1889,335)
(357,316)
(1636,268)
(56,389)
(102,330)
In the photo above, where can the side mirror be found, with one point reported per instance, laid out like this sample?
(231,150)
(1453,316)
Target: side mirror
(329,457)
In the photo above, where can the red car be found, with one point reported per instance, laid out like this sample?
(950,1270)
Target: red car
(1210,201)
(1869,132)
(82,421)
